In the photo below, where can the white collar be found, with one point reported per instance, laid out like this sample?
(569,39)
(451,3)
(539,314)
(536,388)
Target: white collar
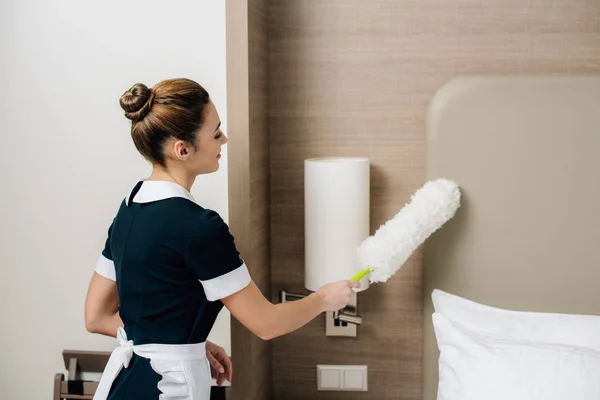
(158,190)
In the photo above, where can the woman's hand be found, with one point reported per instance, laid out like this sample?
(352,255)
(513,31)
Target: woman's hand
(219,362)
(336,295)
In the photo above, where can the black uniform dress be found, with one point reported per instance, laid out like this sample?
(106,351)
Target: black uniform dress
(172,261)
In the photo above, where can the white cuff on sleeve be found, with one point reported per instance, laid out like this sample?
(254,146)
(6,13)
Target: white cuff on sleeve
(106,268)
(225,285)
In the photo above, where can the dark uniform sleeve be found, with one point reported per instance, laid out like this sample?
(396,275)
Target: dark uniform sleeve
(105,265)
(211,253)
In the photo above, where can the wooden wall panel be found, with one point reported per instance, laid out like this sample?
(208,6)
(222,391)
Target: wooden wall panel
(354,78)
(248,155)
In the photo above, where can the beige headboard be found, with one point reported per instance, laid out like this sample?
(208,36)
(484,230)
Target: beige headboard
(526,153)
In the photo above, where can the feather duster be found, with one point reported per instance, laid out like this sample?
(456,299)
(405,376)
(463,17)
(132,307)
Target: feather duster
(431,206)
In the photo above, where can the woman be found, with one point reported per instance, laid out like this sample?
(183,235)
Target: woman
(169,265)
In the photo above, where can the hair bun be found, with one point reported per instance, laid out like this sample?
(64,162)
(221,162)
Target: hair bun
(137,102)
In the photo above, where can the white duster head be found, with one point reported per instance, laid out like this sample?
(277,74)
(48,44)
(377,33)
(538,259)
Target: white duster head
(388,249)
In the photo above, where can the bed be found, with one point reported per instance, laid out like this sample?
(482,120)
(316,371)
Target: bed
(525,151)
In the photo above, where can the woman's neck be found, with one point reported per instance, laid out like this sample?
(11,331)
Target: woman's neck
(160,173)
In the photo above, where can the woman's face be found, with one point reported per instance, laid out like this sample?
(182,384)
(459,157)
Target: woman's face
(209,140)
(203,158)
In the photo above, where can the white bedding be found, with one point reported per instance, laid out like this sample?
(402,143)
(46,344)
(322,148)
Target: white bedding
(490,353)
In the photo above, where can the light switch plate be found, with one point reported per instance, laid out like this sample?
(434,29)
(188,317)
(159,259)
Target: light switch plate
(342,378)
(329,379)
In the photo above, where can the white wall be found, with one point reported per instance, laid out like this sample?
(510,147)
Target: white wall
(68,160)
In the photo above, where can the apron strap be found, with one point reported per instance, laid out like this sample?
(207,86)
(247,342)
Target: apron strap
(119,358)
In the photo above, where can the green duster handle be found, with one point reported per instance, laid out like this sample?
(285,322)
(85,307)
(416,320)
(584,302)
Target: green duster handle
(361,274)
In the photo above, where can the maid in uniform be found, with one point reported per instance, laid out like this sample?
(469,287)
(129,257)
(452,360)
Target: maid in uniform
(169,265)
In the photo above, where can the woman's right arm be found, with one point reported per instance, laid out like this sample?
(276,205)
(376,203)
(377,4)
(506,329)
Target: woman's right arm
(102,306)
(268,321)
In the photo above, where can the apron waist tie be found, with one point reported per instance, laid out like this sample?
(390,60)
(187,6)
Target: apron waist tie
(119,358)
(122,354)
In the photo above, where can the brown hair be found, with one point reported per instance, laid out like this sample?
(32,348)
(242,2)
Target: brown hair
(173,108)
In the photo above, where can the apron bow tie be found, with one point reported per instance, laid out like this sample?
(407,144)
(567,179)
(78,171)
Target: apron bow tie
(125,348)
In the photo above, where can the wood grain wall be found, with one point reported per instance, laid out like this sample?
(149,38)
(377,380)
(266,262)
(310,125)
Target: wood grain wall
(354,78)
(248,157)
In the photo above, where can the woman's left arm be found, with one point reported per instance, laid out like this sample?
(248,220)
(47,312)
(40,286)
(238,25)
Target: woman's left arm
(102,306)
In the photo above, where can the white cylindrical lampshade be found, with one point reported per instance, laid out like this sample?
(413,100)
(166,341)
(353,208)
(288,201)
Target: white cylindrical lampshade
(336,218)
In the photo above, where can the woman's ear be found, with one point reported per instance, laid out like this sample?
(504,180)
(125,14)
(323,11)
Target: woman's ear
(181,149)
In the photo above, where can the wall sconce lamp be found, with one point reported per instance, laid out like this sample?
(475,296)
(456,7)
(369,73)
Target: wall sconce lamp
(336,221)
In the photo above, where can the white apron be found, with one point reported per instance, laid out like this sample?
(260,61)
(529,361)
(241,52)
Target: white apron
(184,368)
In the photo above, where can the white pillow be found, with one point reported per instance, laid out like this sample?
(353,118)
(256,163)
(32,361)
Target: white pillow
(475,366)
(568,329)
